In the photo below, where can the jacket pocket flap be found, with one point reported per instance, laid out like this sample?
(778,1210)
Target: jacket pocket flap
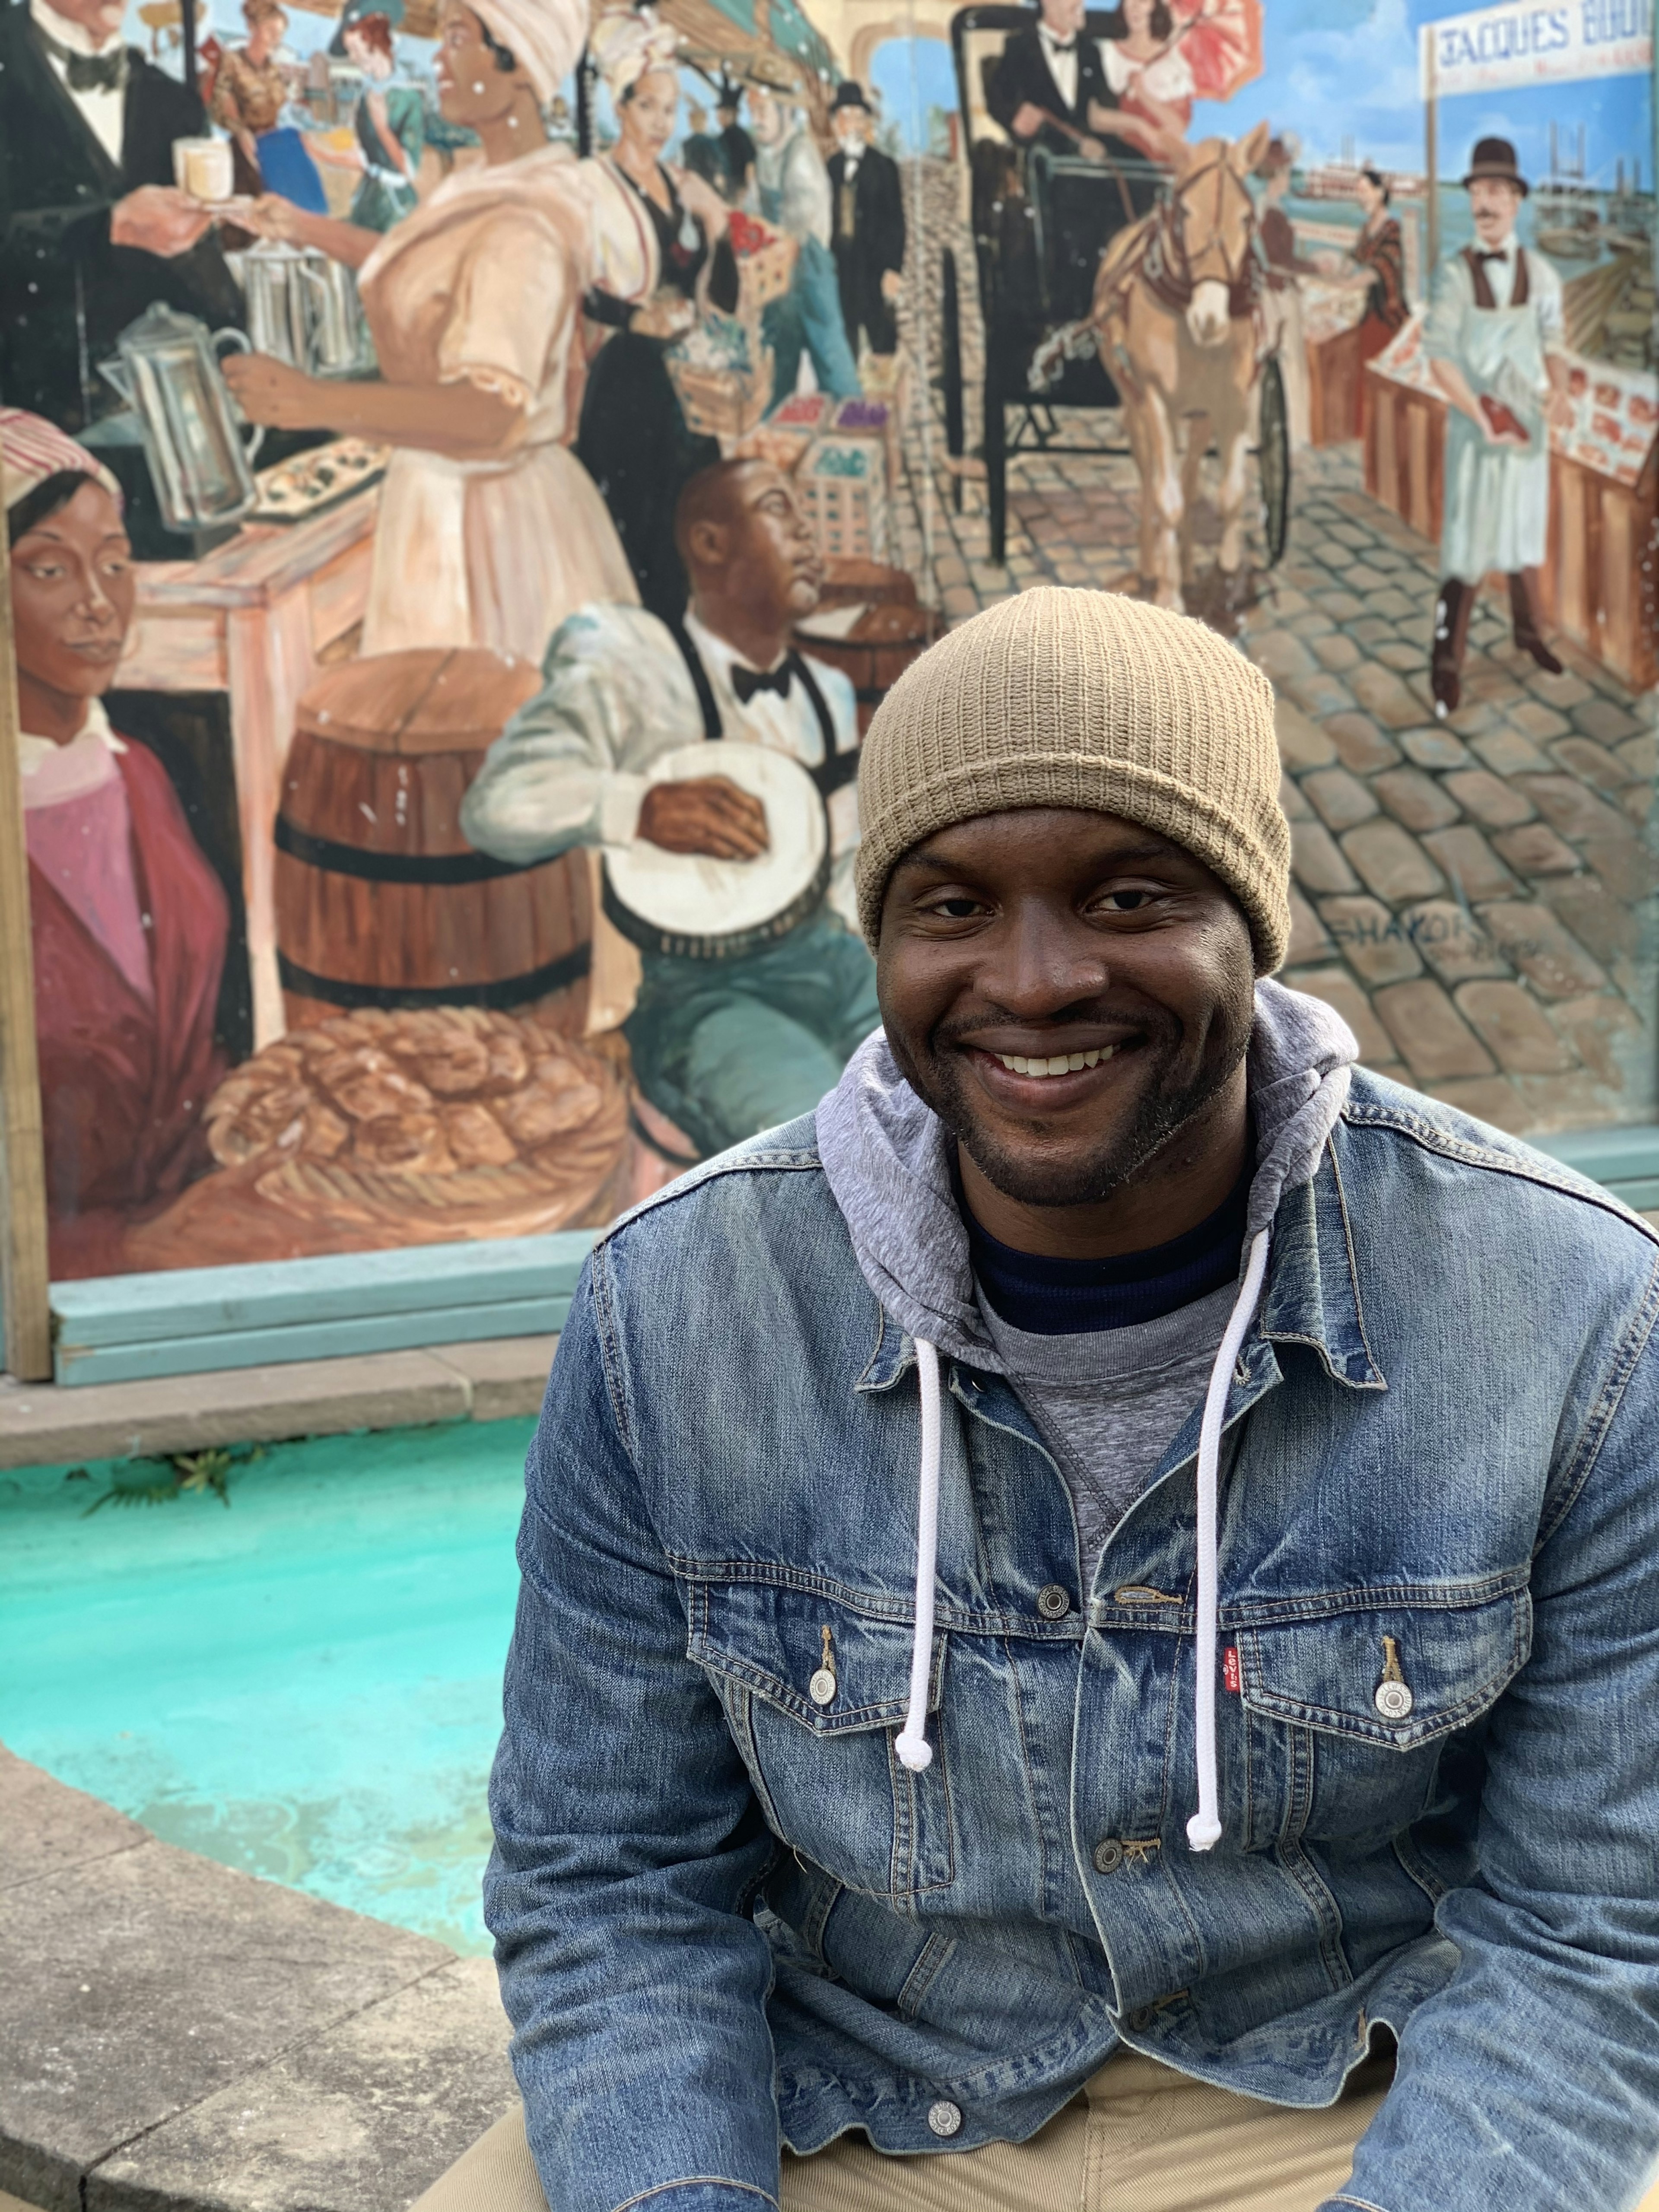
(771,1638)
(1393,1675)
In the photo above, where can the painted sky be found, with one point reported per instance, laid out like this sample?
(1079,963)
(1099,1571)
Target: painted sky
(1338,69)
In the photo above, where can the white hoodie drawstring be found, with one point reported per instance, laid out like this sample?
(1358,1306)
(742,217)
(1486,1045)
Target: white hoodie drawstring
(1204,1829)
(913,1749)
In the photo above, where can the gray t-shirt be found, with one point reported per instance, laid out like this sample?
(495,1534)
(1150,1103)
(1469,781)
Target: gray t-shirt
(1108,1402)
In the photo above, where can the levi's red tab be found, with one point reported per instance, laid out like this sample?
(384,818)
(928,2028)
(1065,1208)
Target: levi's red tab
(1230,1677)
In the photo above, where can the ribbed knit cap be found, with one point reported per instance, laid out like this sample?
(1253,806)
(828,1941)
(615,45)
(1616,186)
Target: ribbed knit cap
(1083,699)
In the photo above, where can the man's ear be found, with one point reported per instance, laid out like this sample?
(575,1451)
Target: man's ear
(707,542)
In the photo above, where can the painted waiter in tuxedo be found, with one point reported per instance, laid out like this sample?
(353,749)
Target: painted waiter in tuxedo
(1496,346)
(867,234)
(92,229)
(1049,88)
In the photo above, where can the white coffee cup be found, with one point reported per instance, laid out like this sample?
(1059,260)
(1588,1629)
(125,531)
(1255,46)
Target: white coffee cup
(204,168)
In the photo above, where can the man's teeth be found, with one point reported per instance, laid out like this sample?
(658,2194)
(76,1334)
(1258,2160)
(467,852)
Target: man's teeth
(1060,1063)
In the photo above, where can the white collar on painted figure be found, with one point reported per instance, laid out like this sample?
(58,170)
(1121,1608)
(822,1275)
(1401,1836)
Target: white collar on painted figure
(52,772)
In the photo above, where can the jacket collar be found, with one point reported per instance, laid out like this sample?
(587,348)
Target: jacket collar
(1313,1295)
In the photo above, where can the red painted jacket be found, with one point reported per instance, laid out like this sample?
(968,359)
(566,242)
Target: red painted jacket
(123,1083)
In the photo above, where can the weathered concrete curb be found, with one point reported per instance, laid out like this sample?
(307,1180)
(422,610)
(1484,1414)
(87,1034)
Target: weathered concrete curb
(182,2037)
(41,1425)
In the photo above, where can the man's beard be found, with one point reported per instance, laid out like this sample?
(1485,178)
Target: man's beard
(1162,1107)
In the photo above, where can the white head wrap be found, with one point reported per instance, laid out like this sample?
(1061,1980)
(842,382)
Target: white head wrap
(545,36)
(628,42)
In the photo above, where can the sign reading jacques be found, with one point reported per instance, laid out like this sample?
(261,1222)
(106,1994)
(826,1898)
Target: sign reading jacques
(1495,48)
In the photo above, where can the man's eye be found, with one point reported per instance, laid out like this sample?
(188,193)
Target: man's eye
(1126,901)
(956,909)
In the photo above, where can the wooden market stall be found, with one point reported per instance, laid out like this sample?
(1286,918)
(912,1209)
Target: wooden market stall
(1599,581)
(255,619)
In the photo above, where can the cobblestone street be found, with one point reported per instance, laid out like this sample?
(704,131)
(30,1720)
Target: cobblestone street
(1473,896)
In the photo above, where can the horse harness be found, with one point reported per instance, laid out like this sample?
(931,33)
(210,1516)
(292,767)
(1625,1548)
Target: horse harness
(1164,264)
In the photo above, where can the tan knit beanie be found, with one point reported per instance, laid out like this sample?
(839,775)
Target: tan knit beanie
(1085,699)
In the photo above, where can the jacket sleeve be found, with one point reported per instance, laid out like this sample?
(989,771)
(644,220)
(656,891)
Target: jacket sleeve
(628,1841)
(1532,2079)
(570,766)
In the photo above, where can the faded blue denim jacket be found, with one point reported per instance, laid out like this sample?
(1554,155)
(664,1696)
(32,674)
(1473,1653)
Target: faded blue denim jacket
(726,1915)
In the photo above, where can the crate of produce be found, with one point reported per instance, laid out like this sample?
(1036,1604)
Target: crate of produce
(766,262)
(842,484)
(722,375)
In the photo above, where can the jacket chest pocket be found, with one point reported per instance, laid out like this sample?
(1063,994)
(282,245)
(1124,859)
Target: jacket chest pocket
(815,1693)
(1365,1695)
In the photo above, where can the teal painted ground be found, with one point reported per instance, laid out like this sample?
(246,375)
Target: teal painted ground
(307,1684)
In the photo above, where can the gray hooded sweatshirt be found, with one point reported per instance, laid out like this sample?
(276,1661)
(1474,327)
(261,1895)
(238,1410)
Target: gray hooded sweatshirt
(1107,1402)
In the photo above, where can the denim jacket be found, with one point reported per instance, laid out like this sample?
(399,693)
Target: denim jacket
(726,1915)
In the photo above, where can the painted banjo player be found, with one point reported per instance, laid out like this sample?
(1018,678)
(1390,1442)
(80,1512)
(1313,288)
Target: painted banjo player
(716,768)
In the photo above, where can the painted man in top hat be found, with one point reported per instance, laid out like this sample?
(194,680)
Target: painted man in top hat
(1493,339)
(1050,87)
(92,229)
(867,236)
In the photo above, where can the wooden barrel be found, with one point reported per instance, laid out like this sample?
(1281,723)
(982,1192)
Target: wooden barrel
(380,901)
(887,637)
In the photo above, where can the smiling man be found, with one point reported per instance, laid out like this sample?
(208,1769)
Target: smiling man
(1088,1636)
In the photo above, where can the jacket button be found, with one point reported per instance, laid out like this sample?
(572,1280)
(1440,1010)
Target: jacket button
(943,2118)
(1054,1602)
(1108,1856)
(1142,2018)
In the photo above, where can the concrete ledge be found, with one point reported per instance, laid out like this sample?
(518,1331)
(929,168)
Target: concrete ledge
(44,1425)
(182,2037)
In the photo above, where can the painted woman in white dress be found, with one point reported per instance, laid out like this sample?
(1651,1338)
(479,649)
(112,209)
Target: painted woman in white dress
(491,531)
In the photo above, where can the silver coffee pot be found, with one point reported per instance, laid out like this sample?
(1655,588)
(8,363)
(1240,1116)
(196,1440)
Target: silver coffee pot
(340,345)
(303,309)
(167,369)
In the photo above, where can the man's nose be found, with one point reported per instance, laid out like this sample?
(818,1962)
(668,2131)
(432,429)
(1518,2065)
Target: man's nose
(1043,960)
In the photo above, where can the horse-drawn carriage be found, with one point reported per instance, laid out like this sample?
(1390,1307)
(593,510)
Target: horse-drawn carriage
(1075,251)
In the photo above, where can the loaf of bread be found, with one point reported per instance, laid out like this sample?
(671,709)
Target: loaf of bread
(453,1111)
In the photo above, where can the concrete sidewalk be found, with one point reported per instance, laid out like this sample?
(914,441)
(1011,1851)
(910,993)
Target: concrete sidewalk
(43,1425)
(181,2038)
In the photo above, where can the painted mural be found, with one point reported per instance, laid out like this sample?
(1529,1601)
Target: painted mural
(472,469)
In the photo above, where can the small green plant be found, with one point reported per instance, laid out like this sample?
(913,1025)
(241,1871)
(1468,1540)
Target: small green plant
(159,1481)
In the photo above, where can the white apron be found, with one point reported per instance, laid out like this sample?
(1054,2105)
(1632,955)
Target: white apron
(1498,497)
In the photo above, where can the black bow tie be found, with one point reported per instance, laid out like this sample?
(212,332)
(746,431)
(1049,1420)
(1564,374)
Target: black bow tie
(88,72)
(1059,46)
(1502,254)
(746,681)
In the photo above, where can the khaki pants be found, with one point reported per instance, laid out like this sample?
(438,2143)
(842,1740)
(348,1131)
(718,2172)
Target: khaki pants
(1140,2137)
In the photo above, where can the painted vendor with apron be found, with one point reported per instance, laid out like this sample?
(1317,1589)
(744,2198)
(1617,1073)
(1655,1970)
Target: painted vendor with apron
(715,767)
(1493,339)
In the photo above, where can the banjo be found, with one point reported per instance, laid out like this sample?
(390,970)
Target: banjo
(692,905)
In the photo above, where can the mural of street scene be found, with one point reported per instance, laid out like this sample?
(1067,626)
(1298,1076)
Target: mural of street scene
(471,472)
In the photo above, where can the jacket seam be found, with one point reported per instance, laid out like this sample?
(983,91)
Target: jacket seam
(605,1322)
(1364,2203)
(1433,1139)
(698,2181)
(1588,1447)
(1353,1267)
(685,1186)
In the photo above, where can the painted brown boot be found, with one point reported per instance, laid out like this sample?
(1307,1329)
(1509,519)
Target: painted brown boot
(1452,610)
(1523,611)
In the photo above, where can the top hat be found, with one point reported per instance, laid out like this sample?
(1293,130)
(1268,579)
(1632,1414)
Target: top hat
(849,95)
(728,93)
(1494,157)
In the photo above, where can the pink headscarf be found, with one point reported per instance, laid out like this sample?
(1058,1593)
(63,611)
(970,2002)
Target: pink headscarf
(32,449)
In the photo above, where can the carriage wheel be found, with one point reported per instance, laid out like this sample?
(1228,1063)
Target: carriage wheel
(1273,460)
(996,450)
(951,372)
